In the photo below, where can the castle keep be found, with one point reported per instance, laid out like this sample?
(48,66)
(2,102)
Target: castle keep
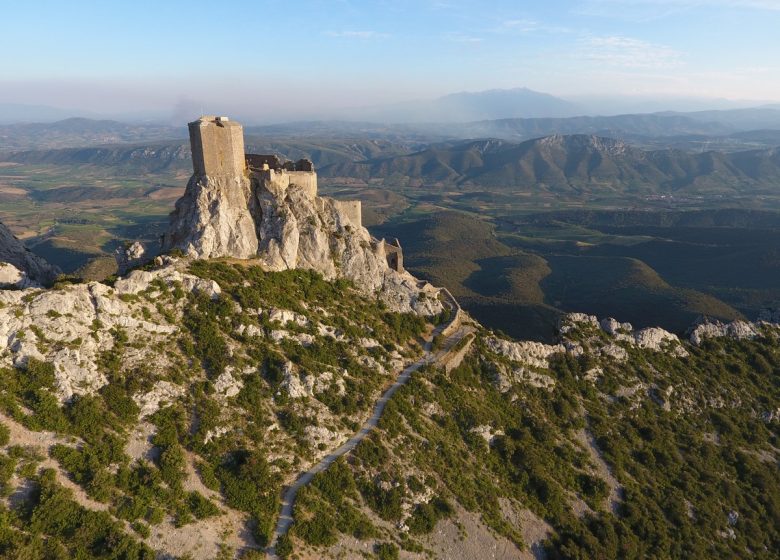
(217,146)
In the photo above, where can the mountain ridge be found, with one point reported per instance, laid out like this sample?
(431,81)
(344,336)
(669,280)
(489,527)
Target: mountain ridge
(564,162)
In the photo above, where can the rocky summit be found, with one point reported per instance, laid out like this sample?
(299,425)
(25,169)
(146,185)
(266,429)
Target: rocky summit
(261,207)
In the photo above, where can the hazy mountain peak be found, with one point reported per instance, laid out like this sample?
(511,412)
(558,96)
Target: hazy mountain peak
(473,106)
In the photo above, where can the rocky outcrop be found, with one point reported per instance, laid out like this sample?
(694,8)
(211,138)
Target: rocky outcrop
(73,326)
(589,327)
(129,256)
(212,219)
(534,354)
(19,267)
(714,329)
(286,229)
(654,338)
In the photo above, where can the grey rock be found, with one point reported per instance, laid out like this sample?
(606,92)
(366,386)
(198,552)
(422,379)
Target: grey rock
(212,219)
(615,328)
(129,256)
(534,354)
(655,338)
(30,268)
(12,277)
(715,329)
(573,321)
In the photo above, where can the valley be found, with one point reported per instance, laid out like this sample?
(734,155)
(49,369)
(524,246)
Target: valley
(571,223)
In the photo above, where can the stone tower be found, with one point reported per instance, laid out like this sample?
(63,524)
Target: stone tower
(217,147)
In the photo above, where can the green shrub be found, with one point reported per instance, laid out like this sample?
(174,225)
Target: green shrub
(79,532)
(200,506)
(172,463)
(425,516)
(284,547)
(386,551)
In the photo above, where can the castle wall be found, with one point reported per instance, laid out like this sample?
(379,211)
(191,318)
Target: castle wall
(394,255)
(307,180)
(352,210)
(278,181)
(217,146)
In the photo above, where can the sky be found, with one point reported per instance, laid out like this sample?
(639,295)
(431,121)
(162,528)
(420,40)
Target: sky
(274,59)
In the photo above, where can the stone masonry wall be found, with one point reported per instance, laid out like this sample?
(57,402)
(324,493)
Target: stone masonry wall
(217,147)
(277,182)
(352,210)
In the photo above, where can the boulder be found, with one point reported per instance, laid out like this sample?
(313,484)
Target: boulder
(658,339)
(129,256)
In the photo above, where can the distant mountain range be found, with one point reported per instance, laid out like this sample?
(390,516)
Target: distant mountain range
(574,163)
(79,131)
(471,106)
(723,129)
(175,155)
(568,164)
(22,113)
(461,107)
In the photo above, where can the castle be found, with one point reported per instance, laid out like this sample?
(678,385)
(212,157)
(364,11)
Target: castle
(217,145)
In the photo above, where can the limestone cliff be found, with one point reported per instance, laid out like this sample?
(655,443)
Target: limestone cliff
(236,217)
(19,267)
(212,219)
(272,212)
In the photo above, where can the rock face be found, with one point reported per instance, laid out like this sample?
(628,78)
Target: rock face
(651,338)
(212,219)
(528,353)
(129,256)
(19,267)
(273,213)
(71,327)
(735,329)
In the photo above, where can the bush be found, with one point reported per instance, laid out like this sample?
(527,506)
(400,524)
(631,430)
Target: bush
(79,532)
(386,551)
(425,516)
(249,485)
(284,547)
(200,506)
(386,503)
(172,463)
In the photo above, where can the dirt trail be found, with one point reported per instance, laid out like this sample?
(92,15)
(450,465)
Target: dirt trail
(453,334)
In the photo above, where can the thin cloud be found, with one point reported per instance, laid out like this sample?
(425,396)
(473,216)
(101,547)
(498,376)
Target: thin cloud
(773,5)
(358,34)
(627,52)
(522,25)
(465,39)
(525,25)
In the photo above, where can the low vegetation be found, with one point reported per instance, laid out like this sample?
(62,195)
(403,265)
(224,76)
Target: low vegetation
(208,452)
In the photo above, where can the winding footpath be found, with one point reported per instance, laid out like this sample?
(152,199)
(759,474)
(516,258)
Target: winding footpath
(429,356)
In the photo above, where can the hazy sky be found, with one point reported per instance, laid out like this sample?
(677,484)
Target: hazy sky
(274,58)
